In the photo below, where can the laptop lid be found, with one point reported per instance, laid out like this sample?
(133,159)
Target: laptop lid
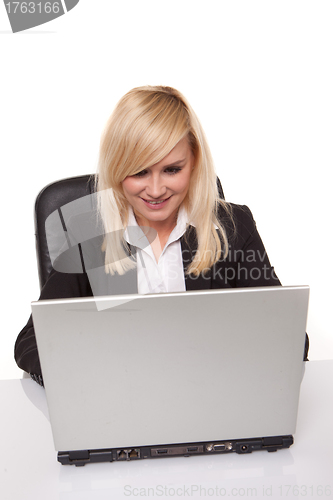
(132,371)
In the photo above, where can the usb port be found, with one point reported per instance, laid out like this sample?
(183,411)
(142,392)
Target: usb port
(192,448)
(162,451)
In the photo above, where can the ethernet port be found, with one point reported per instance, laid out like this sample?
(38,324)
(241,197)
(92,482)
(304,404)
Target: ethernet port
(134,453)
(121,454)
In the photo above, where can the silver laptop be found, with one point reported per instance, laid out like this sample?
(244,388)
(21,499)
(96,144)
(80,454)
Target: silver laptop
(146,376)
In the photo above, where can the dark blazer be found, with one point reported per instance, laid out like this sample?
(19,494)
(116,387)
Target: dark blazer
(247,265)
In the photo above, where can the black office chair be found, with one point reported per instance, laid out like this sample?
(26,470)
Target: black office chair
(52,198)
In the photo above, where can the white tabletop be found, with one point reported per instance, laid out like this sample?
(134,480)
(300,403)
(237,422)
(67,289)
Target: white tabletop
(29,467)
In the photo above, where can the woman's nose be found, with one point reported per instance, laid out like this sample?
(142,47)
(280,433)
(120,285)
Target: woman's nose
(155,187)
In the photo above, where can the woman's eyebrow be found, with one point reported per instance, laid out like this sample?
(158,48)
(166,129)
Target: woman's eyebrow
(173,164)
(177,162)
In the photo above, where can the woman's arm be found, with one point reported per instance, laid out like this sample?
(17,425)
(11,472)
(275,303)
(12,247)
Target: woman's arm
(247,263)
(58,285)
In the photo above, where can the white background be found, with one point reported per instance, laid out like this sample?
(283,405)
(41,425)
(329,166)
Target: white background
(259,75)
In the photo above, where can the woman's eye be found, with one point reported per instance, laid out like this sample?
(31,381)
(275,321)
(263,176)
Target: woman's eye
(140,174)
(173,170)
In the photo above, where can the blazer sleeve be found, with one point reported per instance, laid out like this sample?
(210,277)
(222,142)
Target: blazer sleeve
(247,263)
(252,263)
(59,285)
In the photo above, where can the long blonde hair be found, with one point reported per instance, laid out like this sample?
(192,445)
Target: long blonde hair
(145,126)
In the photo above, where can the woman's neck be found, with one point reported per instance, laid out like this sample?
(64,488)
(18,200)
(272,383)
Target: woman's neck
(163,230)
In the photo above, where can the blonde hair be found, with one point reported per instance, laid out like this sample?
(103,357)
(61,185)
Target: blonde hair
(145,126)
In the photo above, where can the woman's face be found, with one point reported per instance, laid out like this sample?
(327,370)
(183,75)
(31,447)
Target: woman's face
(157,192)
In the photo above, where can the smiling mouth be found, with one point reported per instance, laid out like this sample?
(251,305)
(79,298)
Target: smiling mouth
(152,202)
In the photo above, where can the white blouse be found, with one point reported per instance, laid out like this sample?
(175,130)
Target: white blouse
(166,275)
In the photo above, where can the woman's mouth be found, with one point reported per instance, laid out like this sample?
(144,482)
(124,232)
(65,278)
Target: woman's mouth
(155,204)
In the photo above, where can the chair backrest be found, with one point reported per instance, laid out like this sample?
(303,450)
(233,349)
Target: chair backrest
(51,199)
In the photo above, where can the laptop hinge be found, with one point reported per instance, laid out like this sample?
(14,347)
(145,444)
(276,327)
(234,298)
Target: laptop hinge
(82,457)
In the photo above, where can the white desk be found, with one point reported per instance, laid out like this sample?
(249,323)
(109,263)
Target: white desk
(29,467)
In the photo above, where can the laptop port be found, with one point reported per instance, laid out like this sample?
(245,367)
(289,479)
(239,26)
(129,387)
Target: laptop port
(226,446)
(219,447)
(172,451)
(122,454)
(134,453)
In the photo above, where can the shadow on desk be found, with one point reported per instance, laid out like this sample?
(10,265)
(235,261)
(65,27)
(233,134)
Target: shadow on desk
(36,394)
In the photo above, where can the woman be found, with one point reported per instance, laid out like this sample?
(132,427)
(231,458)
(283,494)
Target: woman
(156,173)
